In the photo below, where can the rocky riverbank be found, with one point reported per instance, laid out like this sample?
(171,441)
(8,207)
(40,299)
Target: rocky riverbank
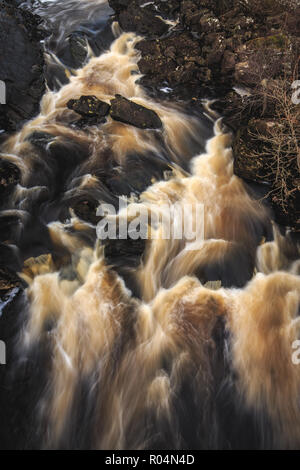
(241,54)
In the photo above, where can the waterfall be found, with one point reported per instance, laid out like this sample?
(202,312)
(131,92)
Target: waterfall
(183,344)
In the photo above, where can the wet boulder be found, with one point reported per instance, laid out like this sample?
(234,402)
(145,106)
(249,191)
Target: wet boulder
(10,257)
(92,110)
(10,176)
(140,19)
(86,209)
(10,284)
(118,5)
(74,51)
(89,106)
(40,139)
(134,114)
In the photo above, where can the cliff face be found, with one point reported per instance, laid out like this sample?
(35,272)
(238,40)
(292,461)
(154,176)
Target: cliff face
(21,65)
(245,54)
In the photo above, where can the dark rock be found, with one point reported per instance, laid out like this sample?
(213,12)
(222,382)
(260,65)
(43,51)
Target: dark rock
(92,110)
(173,60)
(124,252)
(139,20)
(40,139)
(9,256)
(209,23)
(8,281)
(21,65)
(118,5)
(134,114)
(102,40)
(228,105)
(78,49)
(10,176)
(228,62)
(89,106)
(74,51)
(10,228)
(214,47)
(12,392)
(191,14)
(169,9)
(236,23)
(86,210)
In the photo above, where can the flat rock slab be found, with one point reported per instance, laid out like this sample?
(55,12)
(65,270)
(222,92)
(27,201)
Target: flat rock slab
(126,111)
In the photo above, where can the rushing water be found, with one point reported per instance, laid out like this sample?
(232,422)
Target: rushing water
(188,348)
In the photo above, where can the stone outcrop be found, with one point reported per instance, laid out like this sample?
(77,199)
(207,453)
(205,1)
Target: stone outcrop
(228,51)
(21,65)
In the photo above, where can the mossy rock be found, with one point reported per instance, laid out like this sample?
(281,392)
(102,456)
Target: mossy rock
(276,41)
